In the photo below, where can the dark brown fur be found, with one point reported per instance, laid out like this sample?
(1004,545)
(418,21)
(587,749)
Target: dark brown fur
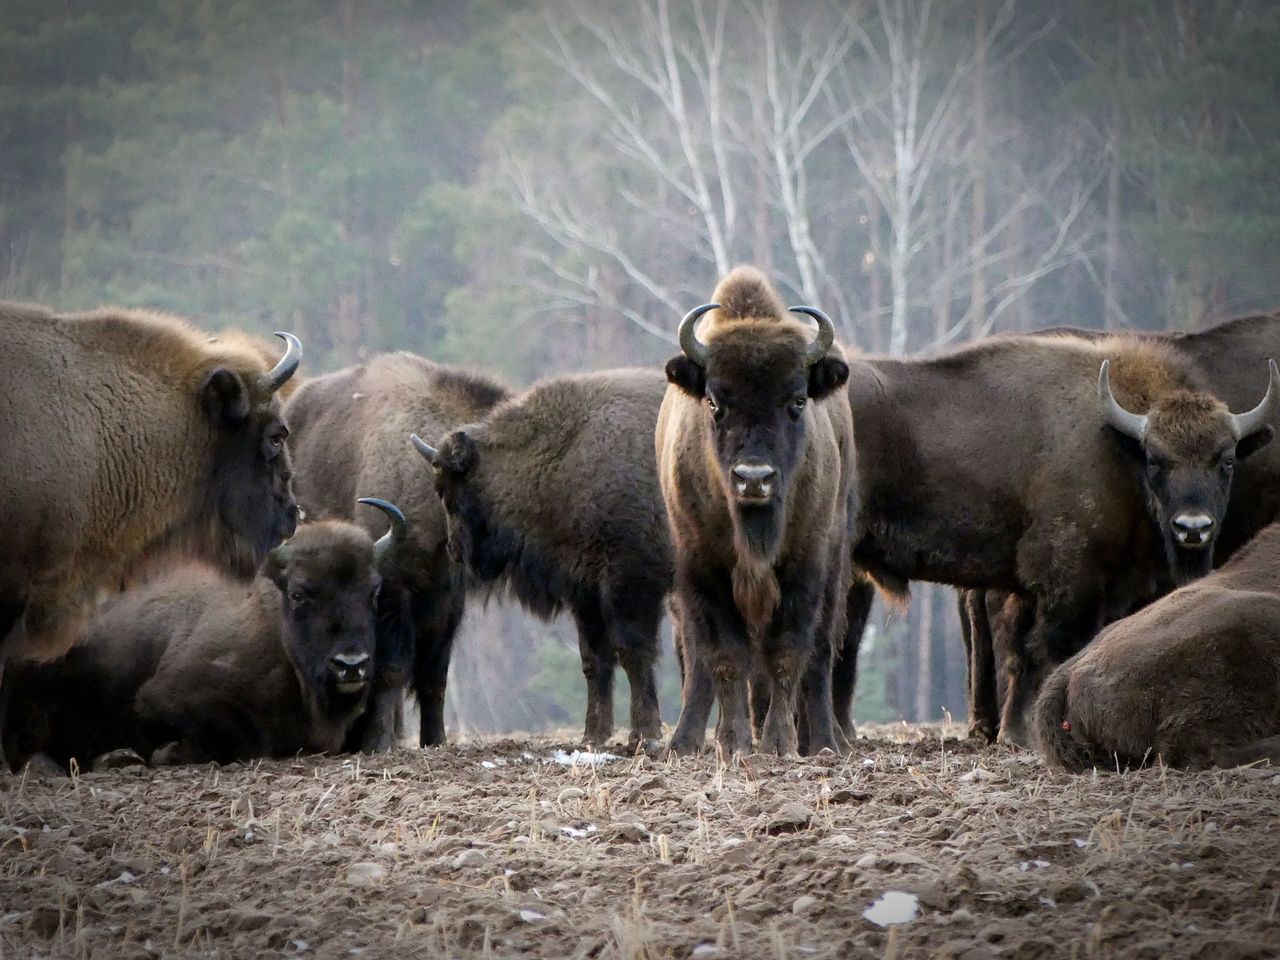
(992,467)
(555,496)
(1192,680)
(125,436)
(757,588)
(1226,357)
(223,670)
(350,437)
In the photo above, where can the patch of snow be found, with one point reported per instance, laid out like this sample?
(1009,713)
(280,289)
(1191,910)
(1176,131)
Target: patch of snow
(532,916)
(1026,865)
(893,907)
(705,950)
(583,757)
(578,834)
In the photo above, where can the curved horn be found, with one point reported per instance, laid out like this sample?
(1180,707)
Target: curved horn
(279,375)
(385,544)
(1243,424)
(821,344)
(429,453)
(1130,424)
(694,348)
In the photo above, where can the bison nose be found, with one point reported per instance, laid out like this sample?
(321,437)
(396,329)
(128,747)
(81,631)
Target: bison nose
(349,667)
(1193,528)
(753,481)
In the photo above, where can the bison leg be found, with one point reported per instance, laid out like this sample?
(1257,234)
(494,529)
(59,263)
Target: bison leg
(984,711)
(730,669)
(697,695)
(844,671)
(1265,749)
(637,649)
(1053,637)
(10,613)
(436,618)
(599,661)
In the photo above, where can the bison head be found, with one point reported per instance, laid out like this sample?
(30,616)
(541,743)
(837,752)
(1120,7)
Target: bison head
(250,472)
(1188,444)
(473,538)
(329,574)
(756,380)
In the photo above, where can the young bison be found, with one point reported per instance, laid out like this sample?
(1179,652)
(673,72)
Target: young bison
(196,667)
(756,461)
(1192,680)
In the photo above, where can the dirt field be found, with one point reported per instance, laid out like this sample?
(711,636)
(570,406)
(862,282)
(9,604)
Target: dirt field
(494,849)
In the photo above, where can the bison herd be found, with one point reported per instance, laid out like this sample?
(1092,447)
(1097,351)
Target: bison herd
(210,558)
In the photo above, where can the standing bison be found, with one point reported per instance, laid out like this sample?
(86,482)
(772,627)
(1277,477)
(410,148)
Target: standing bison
(126,435)
(1090,476)
(194,667)
(555,495)
(1192,680)
(756,461)
(1224,356)
(350,433)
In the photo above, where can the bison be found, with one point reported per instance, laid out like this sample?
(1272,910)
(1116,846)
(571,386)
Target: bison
(755,458)
(194,667)
(349,432)
(127,435)
(1090,499)
(1223,355)
(555,496)
(1192,680)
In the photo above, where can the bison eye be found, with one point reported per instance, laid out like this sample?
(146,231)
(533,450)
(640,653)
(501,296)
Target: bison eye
(297,597)
(799,402)
(712,405)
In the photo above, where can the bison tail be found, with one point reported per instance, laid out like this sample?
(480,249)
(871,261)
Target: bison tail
(1054,736)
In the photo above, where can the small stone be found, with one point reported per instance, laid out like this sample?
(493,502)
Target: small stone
(365,874)
(570,793)
(961,916)
(978,775)
(736,856)
(469,858)
(117,760)
(867,861)
(803,905)
(789,818)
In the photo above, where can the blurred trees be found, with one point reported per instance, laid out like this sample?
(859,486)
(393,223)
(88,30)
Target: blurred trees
(543,187)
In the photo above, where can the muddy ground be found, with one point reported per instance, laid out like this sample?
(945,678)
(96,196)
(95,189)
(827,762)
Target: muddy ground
(490,848)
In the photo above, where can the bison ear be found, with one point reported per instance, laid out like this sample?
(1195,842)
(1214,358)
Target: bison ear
(276,566)
(826,376)
(1254,442)
(225,397)
(688,376)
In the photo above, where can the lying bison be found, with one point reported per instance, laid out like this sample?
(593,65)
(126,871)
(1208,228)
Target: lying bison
(349,433)
(126,435)
(1088,476)
(1226,357)
(756,461)
(555,495)
(1192,680)
(193,667)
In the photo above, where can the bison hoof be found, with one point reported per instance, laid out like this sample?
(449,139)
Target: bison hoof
(116,760)
(685,746)
(644,745)
(982,730)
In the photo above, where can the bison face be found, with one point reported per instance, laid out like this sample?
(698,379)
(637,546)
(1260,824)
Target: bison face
(473,539)
(756,380)
(328,581)
(1188,445)
(250,476)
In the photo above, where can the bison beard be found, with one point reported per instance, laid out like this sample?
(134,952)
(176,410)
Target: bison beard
(755,586)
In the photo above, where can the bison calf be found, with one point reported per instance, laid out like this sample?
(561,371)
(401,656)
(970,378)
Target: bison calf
(1191,680)
(198,664)
(756,461)
(555,494)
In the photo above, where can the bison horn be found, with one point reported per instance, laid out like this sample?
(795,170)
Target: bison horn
(694,348)
(1130,424)
(1243,424)
(279,375)
(393,537)
(429,453)
(821,344)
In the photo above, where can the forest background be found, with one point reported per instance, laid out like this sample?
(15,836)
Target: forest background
(538,187)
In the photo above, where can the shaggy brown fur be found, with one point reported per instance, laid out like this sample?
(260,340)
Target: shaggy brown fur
(555,496)
(757,588)
(350,437)
(222,671)
(991,467)
(1192,680)
(1229,359)
(125,435)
